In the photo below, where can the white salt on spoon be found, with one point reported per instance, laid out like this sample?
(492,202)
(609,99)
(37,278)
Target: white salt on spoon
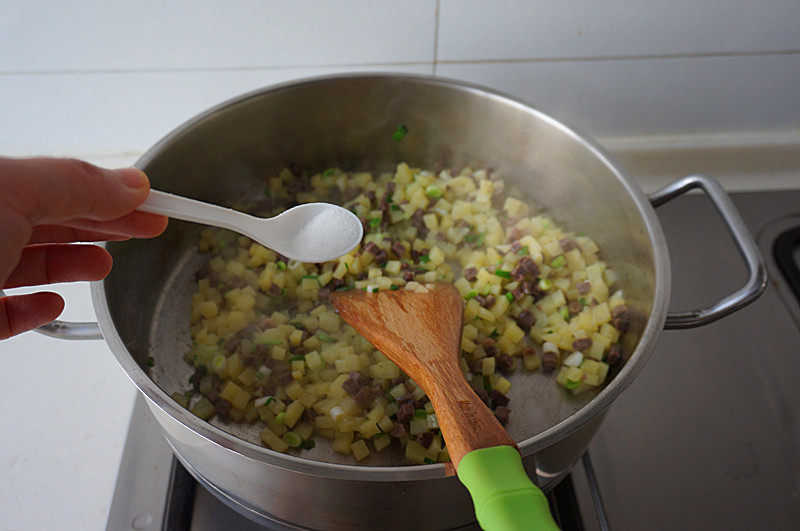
(313,232)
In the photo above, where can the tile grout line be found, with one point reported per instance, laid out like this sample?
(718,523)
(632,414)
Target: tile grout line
(437,61)
(612,58)
(437,7)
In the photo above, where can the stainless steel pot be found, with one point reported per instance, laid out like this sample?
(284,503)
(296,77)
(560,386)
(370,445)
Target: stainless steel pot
(347,121)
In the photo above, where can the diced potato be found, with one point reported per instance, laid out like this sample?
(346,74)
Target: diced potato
(381,441)
(234,394)
(273,441)
(278,306)
(293,412)
(487,366)
(532,362)
(314,360)
(247,376)
(359,449)
(415,452)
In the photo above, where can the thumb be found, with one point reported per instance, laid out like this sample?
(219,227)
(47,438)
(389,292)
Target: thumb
(52,191)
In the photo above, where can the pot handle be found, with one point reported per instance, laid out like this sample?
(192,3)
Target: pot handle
(756,270)
(69,330)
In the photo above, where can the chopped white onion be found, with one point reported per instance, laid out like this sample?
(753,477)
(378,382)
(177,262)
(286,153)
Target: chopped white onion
(336,412)
(549,347)
(574,359)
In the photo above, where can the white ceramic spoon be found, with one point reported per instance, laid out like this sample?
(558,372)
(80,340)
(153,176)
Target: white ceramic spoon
(313,232)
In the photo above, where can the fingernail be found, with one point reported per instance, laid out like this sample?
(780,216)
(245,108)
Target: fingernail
(133,178)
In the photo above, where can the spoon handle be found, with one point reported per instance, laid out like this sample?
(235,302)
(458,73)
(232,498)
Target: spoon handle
(179,207)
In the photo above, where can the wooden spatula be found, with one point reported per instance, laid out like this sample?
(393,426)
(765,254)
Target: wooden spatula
(421,333)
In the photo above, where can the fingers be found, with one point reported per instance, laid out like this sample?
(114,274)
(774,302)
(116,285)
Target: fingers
(59,234)
(47,264)
(51,191)
(134,225)
(21,313)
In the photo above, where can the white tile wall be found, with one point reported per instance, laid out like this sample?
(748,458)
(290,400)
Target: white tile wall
(199,34)
(634,97)
(86,77)
(471,30)
(126,111)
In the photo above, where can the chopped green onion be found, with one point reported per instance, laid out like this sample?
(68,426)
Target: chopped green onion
(569,384)
(420,414)
(400,132)
(394,206)
(308,444)
(545,284)
(558,261)
(509,296)
(394,287)
(501,273)
(582,301)
(298,357)
(374,222)
(218,363)
(282,266)
(471,295)
(564,311)
(424,258)
(263,401)
(329,172)
(280,417)
(494,334)
(428,461)
(151,361)
(434,192)
(325,337)
(297,324)
(523,251)
(310,276)
(292,439)
(477,239)
(346,266)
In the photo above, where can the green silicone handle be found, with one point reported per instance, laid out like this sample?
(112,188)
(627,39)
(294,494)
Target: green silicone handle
(504,496)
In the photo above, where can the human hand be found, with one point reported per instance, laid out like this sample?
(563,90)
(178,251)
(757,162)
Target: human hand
(45,205)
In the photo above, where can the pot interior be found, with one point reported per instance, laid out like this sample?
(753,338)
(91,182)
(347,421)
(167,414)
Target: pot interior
(348,122)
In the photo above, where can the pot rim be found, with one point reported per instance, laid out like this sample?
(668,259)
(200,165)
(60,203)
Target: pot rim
(160,399)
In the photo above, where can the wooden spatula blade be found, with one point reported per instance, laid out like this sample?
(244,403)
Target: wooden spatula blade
(421,333)
(412,329)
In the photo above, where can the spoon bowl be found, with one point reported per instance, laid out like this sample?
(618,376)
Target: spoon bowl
(312,232)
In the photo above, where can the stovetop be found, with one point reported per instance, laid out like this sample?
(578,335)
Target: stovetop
(708,436)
